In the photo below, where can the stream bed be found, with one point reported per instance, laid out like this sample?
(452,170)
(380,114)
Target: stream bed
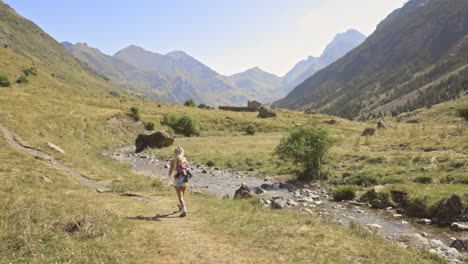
(308,198)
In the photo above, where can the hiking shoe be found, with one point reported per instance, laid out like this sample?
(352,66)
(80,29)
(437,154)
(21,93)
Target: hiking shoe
(183,214)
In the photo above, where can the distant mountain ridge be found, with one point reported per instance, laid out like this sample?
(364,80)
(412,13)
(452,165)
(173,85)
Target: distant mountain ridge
(341,44)
(176,76)
(414,46)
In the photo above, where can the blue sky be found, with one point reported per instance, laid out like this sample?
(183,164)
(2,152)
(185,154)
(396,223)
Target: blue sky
(229,36)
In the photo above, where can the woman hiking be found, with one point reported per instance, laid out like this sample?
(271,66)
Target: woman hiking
(180,164)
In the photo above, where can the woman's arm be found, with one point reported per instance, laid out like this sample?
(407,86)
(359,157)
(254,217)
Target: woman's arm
(171,168)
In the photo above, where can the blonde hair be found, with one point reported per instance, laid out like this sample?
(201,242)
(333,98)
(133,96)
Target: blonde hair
(179,153)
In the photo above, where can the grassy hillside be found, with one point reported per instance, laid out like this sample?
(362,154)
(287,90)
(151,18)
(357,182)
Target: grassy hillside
(46,216)
(417,45)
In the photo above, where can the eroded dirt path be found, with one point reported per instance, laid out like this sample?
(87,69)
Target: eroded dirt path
(15,143)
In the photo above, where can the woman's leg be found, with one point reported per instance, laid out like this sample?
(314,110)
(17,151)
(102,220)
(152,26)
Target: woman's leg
(180,194)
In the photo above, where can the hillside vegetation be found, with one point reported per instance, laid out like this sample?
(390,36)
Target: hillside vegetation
(47,216)
(415,58)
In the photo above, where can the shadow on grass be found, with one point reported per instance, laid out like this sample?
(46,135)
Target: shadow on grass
(155,218)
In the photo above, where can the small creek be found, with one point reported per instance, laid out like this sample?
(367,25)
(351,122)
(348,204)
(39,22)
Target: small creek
(225,182)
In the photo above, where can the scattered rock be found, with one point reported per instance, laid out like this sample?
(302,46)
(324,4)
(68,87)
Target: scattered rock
(459,227)
(310,111)
(283,185)
(425,221)
(460,244)
(266,186)
(306,210)
(330,122)
(278,203)
(414,241)
(381,125)
(376,226)
(46,179)
(259,190)
(158,139)
(449,210)
(266,112)
(210,163)
(55,147)
(370,131)
(243,192)
(412,121)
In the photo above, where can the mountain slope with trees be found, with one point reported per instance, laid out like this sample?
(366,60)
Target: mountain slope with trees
(414,46)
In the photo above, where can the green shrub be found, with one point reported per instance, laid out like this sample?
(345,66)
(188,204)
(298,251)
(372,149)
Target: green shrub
(305,146)
(169,120)
(376,160)
(381,199)
(136,113)
(423,179)
(463,112)
(392,179)
(343,193)
(150,125)
(250,129)
(455,179)
(22,80)
(190,102)
(186,126)
(4,82)
(363,179)
(30,71)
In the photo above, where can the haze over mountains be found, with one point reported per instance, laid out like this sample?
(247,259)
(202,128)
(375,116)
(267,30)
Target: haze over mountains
(417,57)
(176,76)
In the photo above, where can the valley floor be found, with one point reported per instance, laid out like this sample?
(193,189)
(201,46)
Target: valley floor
(47,216)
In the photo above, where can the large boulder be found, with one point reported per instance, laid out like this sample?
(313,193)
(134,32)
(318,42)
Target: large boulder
(266,112)
(243,192)
(460,244)
(158,139)
(449,210)
(370,131)
(278,203)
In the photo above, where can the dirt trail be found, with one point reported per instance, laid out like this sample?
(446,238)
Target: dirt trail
(15,143)
(172,239)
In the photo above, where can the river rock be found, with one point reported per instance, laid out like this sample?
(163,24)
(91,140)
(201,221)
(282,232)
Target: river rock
(449,210)
(460,244)
(283,185)
(425,221)
(291,202)
(278,203)
(266,186)
(259,190)
(243,192)
(459,226)
(414,241)
(158,139)
(376,226)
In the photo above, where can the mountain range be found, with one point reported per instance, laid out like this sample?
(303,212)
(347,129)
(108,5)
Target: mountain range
(416,57)
(176,76)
